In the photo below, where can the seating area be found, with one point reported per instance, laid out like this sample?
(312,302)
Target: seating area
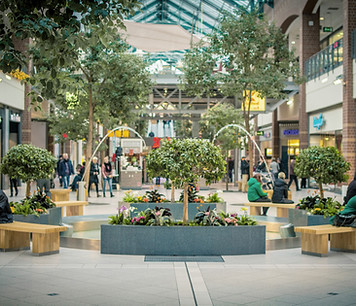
(59,194)
(315,239)
(16,236)
(282,209)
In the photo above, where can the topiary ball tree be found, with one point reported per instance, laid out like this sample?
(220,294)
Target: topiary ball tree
(185,160)
(326,165)
(28,163)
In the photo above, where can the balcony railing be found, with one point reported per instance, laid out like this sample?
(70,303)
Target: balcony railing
(325,60)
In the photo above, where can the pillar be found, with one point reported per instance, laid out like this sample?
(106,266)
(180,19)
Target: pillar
(309,45)
(275,134)
(349,107)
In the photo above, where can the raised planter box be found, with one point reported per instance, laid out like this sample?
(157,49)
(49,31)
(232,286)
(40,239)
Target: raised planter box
(183,240)
(175,208)
(54,217)
(299,217)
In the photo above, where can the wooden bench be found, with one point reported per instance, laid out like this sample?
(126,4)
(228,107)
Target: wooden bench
(16,236)
(282,209)
(59,194)
(73,208)
(315,239)
(270,193)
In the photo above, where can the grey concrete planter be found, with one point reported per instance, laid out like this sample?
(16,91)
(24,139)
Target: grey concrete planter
(299,217)
(54,217)
(176,208)
(183,240)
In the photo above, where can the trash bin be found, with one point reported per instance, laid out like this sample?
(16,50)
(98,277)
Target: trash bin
(287,230)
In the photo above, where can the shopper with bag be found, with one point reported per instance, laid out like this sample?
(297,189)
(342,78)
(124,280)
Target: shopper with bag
(106,170)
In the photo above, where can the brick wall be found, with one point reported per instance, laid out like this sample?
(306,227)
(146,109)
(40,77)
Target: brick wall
(349,104)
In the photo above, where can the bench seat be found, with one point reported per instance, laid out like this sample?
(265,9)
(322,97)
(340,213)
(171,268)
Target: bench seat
(59,194)
(16,236)
(73,208)
(315,239)
(282,209)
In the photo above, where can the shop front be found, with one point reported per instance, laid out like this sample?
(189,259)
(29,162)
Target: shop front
(289,143)
(325,128)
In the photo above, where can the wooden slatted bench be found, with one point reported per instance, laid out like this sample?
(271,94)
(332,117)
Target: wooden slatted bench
(282,209)
(59,194)
(315,239)
(73,208)
(16,236)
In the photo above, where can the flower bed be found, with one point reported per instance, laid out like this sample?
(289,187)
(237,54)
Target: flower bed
(37,208)
(314,210)
(154,232)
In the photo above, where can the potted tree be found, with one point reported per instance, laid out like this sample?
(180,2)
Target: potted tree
(154,231)
(29,163)
(186,160)
(326,165)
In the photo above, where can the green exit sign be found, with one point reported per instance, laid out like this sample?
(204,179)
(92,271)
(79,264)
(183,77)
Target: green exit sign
(327,29)
(260,133)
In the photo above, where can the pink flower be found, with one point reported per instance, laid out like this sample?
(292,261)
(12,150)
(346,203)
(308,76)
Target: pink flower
(206,214)
(157,213)
(228,220)
(123,208)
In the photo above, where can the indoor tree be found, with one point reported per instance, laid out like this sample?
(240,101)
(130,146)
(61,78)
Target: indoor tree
(28,163)
(230,138)
(252,57)
(324,164)
(186,160)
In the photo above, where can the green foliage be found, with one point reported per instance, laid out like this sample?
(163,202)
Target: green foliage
(47,20)
(192,194)
(214,198)
(184,161)
(325,165)
(154,196)
(28,163)
(36,204)
(316,205)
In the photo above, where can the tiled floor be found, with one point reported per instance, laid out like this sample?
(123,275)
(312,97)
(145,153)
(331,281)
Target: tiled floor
(81,277)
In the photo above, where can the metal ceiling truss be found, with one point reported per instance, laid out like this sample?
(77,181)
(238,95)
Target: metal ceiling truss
(170,100)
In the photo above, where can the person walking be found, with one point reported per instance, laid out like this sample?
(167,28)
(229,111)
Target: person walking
(94,176)
(255,192)
(274,166)
(292,176)
(106,170)
(57,170)
(261,166)
(13,186)
(65,170)
(245,170)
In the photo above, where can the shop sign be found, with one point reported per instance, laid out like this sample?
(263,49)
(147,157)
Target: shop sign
(257,104)
(119,133)
(267,134)
(291,132)
(260,133)
(318,122)
(14,117)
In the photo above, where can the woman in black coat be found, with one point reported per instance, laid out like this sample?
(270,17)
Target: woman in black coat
(5,210)
(280,190)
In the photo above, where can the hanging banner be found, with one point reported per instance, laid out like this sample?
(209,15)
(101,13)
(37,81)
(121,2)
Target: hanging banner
(258,104)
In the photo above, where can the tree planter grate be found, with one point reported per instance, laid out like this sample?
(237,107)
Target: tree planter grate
(184,259)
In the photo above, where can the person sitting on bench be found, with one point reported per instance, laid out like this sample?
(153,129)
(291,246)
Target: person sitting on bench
(350,209)
(255,192)
(280,190)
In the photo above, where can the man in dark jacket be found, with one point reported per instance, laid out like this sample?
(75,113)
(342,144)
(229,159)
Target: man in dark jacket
(292,175)
(245,170)
(5,210)
(280,190)
(65,170)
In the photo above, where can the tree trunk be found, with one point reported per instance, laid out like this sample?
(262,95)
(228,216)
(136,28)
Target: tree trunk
(90,135)
(28,188)
(227,174)
(185,204)
(172,193)
(321,190)
(250,155)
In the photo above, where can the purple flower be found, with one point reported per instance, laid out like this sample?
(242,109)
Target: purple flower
(123,208)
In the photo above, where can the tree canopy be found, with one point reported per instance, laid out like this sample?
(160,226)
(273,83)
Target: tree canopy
(325,165)
(28,163)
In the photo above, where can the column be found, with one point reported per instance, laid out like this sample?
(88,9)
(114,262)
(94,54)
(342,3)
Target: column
(309,45)
(275,134)
(349,109)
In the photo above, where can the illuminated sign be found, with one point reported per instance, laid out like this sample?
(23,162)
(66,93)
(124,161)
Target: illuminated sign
(291,132)
(260,133)
(327,29)
(257,103)
(120,133)
(318,122)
